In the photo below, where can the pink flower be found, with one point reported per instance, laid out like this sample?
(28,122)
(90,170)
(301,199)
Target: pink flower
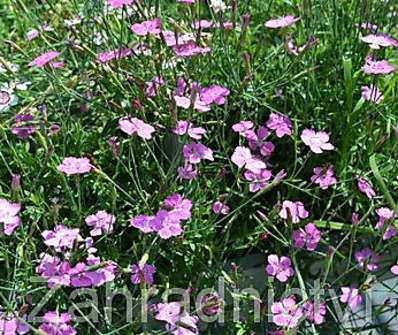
(133,125)
(186,325)
(166,224)
(324,177)
(384,214)
(153,86)
(119,3)
(31,34)
(367,259)
(143,223)
(281,124)
(256,141)
(179,207)
(394,269)
(286,313)
(210,303)
(242,157)
(142,273)
(281,22)
(73,165)
(185,127)
(390,232)
(61,238)
(146,27)
(293,211)
(102,223)
(187,172)
(220,208)
(376,41)
(258,181)
(296,51)
(194,152)
(372,93)
(168,312)
(242,127)
(202,24)
(309,237)
(9,216)
(317,141)
(57,324)
(377,67)
(189,49)
(279,267)
(10,325)
(106,56)
(215,94)
(315,312)
(351,297)
(186,1)
(44,58)
(365,188)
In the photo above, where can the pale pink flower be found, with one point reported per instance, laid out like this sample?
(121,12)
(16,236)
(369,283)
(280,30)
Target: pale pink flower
(9,216)
(146,27)
(215,94)
(293,211)
(73,165)
(317,141)
(351,297)
(44,58)
(258,181)
(61,238)
(185,127)
(281,22)
(376,41)
(220,208)
(242,157)
(308,237)
(143,223)
(187,172)
(31,34)
(106,56)
(168,312)
(394,269)
(153,86)
(194,152)
(280,123)
(372,93)
(133,125)
(286,313)
(242,127)
(367,259)
(189,49)
(315,312)
(102,223)
(377,67)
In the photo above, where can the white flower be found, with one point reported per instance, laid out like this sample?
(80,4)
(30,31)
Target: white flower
(218,5)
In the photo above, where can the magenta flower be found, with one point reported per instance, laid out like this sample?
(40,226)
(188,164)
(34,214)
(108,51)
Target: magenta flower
(109,55)
(168,312)
(194,152)
(44,58)
(258,181)
(142,273)
(281,22)
(317,141)
(146,27)
(384,214)
(242,157)
(367,259)
(279,267)
(22,126)
(351,297)
(186,1)
(220,208)
(9,216)
(372,93)
(143,223)
(280,123)
(119,3)
(293,211)
(324,177)
(61,238)
(102,223)
(376,41)
(377,67)
(315,313)
(308,237)
(10,325)
(57,324)
(286,313)
(185,127)
(187,172)
(215,94)
(73,165)
(133,125)
(365,188)
(389,232)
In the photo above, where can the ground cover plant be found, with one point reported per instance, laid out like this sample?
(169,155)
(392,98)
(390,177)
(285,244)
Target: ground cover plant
(150,149)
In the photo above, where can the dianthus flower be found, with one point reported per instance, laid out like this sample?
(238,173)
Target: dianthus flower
(133,125)
(142,273)
(324,177)
(351,297)
(367,259)
(309,237)
(365,188)
(102,223)
(279,267)
(281,22)
(317,141)
(280,123)
(73,165)
(286,313)
(9,216)
(293,211)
